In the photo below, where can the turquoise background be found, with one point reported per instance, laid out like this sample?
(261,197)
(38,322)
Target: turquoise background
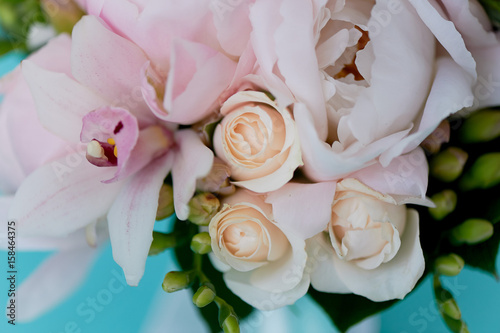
(132,308)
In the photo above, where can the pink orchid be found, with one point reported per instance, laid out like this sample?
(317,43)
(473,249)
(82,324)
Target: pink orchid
(185,46)
(95,98)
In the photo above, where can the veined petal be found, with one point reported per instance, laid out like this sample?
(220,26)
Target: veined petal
(110,65)
(193,160)
(304,208)
(132,217)
(61,101)
(53,281)
(61,197)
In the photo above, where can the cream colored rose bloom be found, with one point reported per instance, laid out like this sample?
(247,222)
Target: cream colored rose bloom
(263,260)
(371,246)
(258,140)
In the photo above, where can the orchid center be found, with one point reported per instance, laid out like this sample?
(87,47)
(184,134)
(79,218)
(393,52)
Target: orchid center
(102,154)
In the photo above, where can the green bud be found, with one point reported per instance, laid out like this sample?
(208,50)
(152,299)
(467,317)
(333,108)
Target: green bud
(228,320)
(472,231)
(202,208)
(484,173)
(175,281)
(449,265)
(165,202)
(451,309)
(445,202)
(448,164)
(204,296)
(231,325)
(201,243)
(481,126)
(161,242)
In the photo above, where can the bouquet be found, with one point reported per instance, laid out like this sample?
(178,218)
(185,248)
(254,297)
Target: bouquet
(339,149)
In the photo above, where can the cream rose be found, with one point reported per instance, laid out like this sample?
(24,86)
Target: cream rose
(263,260)
(258,140)
(372,245)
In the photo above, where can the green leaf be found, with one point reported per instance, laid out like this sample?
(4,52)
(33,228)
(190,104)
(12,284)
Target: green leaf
(210,312)
(348,310)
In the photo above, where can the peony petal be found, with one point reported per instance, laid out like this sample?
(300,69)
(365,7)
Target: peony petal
(322,162)
(404,47)
(446,33)
(110,65)
(53,281)
(51,200)
(61,102)
(304,208)
(450,92)
(233,25)
(406,175)
(393,279)
(188,98)
(132,216)
(193,160)
(297,61)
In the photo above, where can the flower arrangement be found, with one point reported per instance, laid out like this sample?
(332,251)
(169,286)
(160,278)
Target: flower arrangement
(322,147)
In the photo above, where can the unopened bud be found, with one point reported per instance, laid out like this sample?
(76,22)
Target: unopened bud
(484,173)
(202,208)
(231,325)
(228,320)
(481,126)
(445,202)
(175,281)
(203,296)
(450,308)
(448,164)
(201,243)
(217,181)
(63,14)
(449,265)
(472,231)
(440,135)
(161,242)
(165,202)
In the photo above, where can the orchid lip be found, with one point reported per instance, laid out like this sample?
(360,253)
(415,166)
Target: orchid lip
(102,154)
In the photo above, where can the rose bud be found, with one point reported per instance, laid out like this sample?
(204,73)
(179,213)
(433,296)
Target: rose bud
(202,207)
(449,265)
(263,260)
(258,140)
(371,245)
(448,164)
(472,231)
(217,181)
(481,126)
(445,202)
(484,173)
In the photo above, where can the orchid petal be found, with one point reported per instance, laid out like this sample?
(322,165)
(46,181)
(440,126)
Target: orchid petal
(61,101)
(110,65)
(132,217)
(193,160)
(51,200)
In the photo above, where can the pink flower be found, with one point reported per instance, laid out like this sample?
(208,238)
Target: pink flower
(95,99)
(369,80)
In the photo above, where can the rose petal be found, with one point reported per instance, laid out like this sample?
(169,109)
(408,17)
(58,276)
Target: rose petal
(132,216)
(393,279)
(303,208)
